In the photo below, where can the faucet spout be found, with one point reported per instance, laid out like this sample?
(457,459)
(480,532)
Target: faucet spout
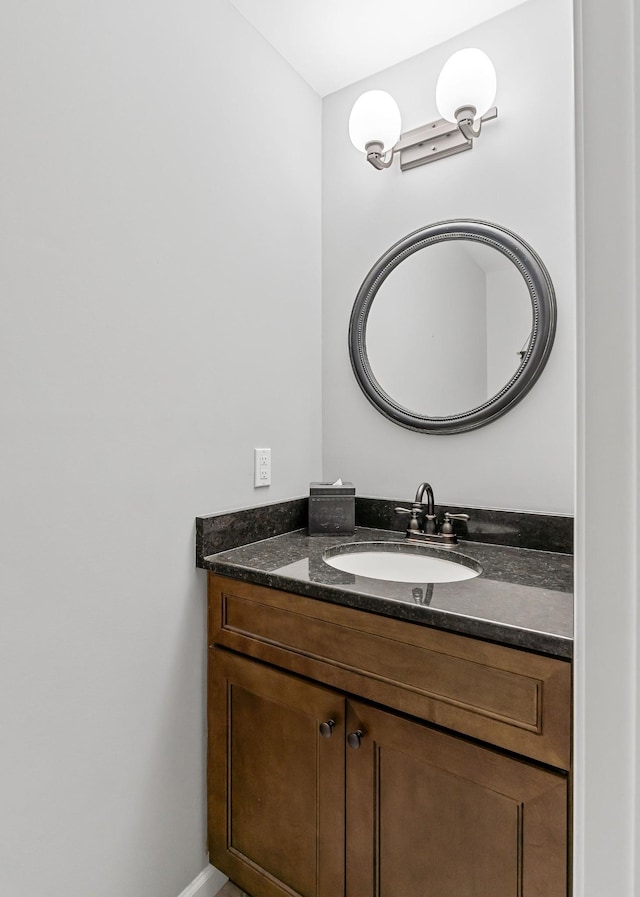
(422,488)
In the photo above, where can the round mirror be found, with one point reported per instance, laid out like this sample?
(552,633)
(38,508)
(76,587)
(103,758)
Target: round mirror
(459,331)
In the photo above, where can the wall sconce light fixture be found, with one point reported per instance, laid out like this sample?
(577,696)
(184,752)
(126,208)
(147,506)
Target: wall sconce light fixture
(465,90)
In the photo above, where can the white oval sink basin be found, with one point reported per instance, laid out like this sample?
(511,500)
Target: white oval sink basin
(400,565)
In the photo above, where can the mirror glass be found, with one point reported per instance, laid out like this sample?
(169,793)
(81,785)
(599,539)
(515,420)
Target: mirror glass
(452,326)
(449,327)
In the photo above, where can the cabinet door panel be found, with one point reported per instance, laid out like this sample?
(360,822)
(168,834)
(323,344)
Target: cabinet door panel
(276,786)
(433,815)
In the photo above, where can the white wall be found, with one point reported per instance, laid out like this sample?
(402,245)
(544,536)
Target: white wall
(159,266)
(607,710)
(520,175)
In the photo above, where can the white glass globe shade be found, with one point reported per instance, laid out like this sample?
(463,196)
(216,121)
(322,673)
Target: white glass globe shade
(375,117)
(468,78)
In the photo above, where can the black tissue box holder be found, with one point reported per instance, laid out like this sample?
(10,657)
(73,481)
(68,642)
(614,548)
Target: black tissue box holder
(332,509)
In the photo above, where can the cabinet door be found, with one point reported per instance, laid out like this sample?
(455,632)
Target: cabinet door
(276,785)
(434,815)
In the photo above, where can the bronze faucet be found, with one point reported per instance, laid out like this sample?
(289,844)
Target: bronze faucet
(423,525)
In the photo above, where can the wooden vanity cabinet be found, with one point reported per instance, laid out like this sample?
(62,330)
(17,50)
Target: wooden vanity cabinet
(315,791)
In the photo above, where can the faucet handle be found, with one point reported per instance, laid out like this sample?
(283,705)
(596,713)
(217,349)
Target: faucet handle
(447,526)
(414,523)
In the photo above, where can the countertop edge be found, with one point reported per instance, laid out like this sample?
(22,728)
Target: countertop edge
(557,646)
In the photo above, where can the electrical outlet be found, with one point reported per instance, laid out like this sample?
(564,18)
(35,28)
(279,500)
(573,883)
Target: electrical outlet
(262,467)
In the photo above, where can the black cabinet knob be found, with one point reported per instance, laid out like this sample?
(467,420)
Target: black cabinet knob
(326,729)
(354,739)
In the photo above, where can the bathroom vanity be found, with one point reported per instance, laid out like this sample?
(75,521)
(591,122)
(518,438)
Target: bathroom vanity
(375,739)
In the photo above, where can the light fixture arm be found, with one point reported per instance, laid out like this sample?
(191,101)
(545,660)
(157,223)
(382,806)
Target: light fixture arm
(465,117)
(376,156)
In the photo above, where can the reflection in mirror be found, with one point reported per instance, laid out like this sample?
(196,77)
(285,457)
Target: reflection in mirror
(449,327)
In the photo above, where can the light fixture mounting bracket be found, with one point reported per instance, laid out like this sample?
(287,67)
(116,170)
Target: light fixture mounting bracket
(433,141)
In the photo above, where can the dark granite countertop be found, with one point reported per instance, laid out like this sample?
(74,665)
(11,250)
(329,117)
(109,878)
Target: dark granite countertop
(523,597)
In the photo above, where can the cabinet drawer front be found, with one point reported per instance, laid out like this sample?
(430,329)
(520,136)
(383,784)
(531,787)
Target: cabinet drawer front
(505,696)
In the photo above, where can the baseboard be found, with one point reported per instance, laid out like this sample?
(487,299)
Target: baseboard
(207,884)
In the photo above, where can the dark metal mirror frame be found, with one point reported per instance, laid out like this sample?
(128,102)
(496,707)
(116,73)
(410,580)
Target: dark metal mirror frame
(543,304)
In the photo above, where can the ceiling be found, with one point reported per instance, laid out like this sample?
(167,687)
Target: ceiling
(333,43)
